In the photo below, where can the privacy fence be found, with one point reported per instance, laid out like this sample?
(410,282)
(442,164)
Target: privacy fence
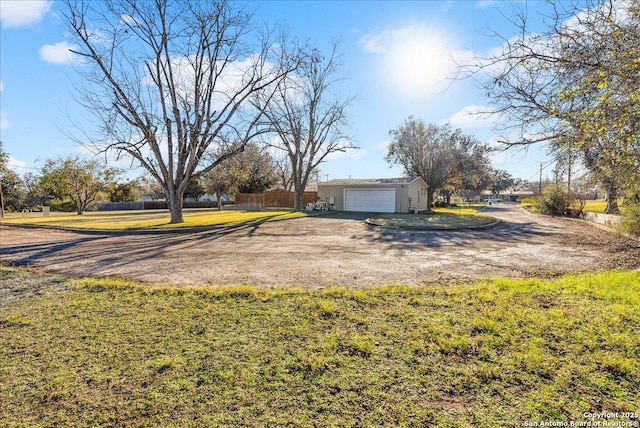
(272,199)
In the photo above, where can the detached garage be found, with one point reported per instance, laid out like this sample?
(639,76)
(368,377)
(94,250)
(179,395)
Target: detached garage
(370,200)
(385,195)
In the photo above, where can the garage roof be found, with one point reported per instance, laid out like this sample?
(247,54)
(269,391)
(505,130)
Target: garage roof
(372,181)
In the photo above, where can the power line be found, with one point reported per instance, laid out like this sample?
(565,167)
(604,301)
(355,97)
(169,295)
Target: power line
(542,167)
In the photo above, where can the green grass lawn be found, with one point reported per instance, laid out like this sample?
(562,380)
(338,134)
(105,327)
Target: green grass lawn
(148,219)
(108,352)
(441,218)
(595,206)
(601,206)
(466,209)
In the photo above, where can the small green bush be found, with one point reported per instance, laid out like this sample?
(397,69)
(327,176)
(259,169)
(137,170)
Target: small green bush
(529,202)
(553,201)
(630,222)
(66,205)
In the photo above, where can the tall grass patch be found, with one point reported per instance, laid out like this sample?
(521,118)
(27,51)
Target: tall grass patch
(117,353)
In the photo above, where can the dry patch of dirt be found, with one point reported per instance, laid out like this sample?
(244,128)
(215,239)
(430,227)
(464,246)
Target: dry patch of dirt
(337,249)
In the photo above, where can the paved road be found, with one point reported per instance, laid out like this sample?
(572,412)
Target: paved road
(337,249)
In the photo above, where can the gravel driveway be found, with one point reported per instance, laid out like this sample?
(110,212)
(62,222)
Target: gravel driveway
(336,249)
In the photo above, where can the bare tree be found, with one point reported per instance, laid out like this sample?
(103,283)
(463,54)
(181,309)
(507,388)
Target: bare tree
(307,118)
(170,81)
(576,83)
(282,166)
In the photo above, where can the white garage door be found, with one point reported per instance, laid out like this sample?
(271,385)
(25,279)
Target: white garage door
(370,200)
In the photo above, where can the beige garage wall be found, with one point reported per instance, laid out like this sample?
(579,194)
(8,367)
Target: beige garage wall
(409,195)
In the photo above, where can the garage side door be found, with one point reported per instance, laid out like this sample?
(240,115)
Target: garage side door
(370,200)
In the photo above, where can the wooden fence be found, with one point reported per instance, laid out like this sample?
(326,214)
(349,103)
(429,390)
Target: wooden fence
(272,199)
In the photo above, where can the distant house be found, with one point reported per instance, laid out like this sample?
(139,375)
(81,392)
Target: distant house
(510,196)
(207,198)
(384,195)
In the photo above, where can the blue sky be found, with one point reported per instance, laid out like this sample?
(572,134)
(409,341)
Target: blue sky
(397,56)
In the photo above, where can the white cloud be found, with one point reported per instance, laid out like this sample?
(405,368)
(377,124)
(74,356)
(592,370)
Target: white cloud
(495,143)
(19,167)
(483,4)
(58,53)
(130,20)
(415,62)
(130,168)
(229,82)
(382,146)
(21,13)
(519,46)
(4,123)
(86,150)
(349,154)
(473,116)
(619,11)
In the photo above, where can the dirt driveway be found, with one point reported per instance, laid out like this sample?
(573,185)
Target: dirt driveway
(337,249)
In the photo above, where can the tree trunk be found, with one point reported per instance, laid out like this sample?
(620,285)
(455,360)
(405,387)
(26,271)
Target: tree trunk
(80,207)
(298,195)
(430,193)
(610,190)
(447,197)
(1,202)
(219,200)
(612,205)
(174,201)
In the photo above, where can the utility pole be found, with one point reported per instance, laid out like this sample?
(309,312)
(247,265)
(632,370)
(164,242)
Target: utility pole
(540,182)
(570,162)
(1,201)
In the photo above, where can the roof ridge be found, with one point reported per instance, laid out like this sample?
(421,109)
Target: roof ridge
(395,180)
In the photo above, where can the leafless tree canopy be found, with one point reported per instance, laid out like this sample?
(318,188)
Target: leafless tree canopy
(307,119)
(576,84)
(553,78)
(282,166)
(170,81)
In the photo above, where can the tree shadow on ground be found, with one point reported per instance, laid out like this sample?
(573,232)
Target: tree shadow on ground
(128,249)
(504,232)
